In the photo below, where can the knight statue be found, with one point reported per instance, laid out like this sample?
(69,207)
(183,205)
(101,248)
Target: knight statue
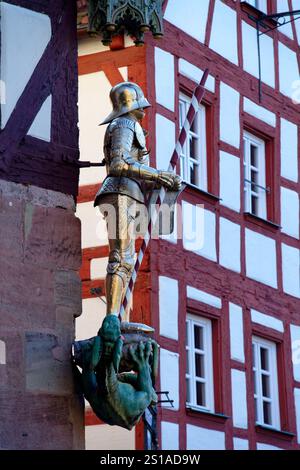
(119,365)
(129,178)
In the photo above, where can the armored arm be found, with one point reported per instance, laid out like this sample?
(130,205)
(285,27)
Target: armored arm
(122,163)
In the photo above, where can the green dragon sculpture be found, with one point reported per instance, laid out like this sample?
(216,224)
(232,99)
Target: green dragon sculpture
(117,398)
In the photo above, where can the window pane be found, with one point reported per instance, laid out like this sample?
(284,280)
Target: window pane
(264,359)
(198,337)
(199,365)
(195,173)
(254,179)
(195,125)
(200,392)
(253,155)
(254,204)
(265,382)
(194,148)
(267,412)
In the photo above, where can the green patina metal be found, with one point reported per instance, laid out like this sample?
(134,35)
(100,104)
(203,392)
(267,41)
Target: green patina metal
(110,17)
(118,373)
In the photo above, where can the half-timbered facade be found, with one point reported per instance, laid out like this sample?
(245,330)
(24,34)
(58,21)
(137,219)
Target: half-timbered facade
(223,291)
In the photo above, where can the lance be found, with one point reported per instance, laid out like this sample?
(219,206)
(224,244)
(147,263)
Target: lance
(154,209)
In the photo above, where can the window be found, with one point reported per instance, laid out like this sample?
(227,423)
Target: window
(259,4)
(193,164)
(255,190)
(265,383)
(199,374)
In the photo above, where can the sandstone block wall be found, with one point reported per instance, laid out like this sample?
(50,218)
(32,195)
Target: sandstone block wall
(40,297)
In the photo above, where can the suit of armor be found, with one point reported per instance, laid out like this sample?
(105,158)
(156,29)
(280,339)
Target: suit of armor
(127,167)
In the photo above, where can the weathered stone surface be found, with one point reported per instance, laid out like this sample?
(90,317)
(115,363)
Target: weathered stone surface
(36,196)
(68,290)
(11,227)
(26,295)
(40,294)
(12,374)
(52,238)
(35,422)
(47,364)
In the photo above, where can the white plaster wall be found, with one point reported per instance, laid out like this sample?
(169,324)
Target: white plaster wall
(297,406)
(194,73)
(24,37)
(239,399)
(261,258)
(169,436)
(165,141)
(93,227)
(295,344)
(2,352)
(90,45)
(230,181)
(229,115)
(283,6)
(230,245)
(204,439)
(94,106)
(291,270)
(266,320)
(290,212)
(288,69)
(224,25)
(201,296)
(168,307)
(250,54)
(41,126)
(199,230)
(236,332)
(178,11)
(89,322)
(262,446)
(164,78)
(289,150)
(98,267)
(240,444)
(260,112)
(105,437)
(169,376)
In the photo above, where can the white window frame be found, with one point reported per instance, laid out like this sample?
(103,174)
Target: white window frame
(206,324)
(186,161)
(259,5)
(257,344)
(259,190)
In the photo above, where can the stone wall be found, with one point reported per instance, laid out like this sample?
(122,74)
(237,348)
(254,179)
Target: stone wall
(40,296)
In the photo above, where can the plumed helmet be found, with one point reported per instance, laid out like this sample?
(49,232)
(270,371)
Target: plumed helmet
(126,97)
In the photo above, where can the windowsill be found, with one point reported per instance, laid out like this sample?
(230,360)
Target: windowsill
(218,417)
(261,222)
(202,192)
(285,435)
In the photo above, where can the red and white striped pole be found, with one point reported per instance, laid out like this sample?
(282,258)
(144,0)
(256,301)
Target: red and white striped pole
(193,109)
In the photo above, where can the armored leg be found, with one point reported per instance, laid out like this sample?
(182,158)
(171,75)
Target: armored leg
(119,212)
